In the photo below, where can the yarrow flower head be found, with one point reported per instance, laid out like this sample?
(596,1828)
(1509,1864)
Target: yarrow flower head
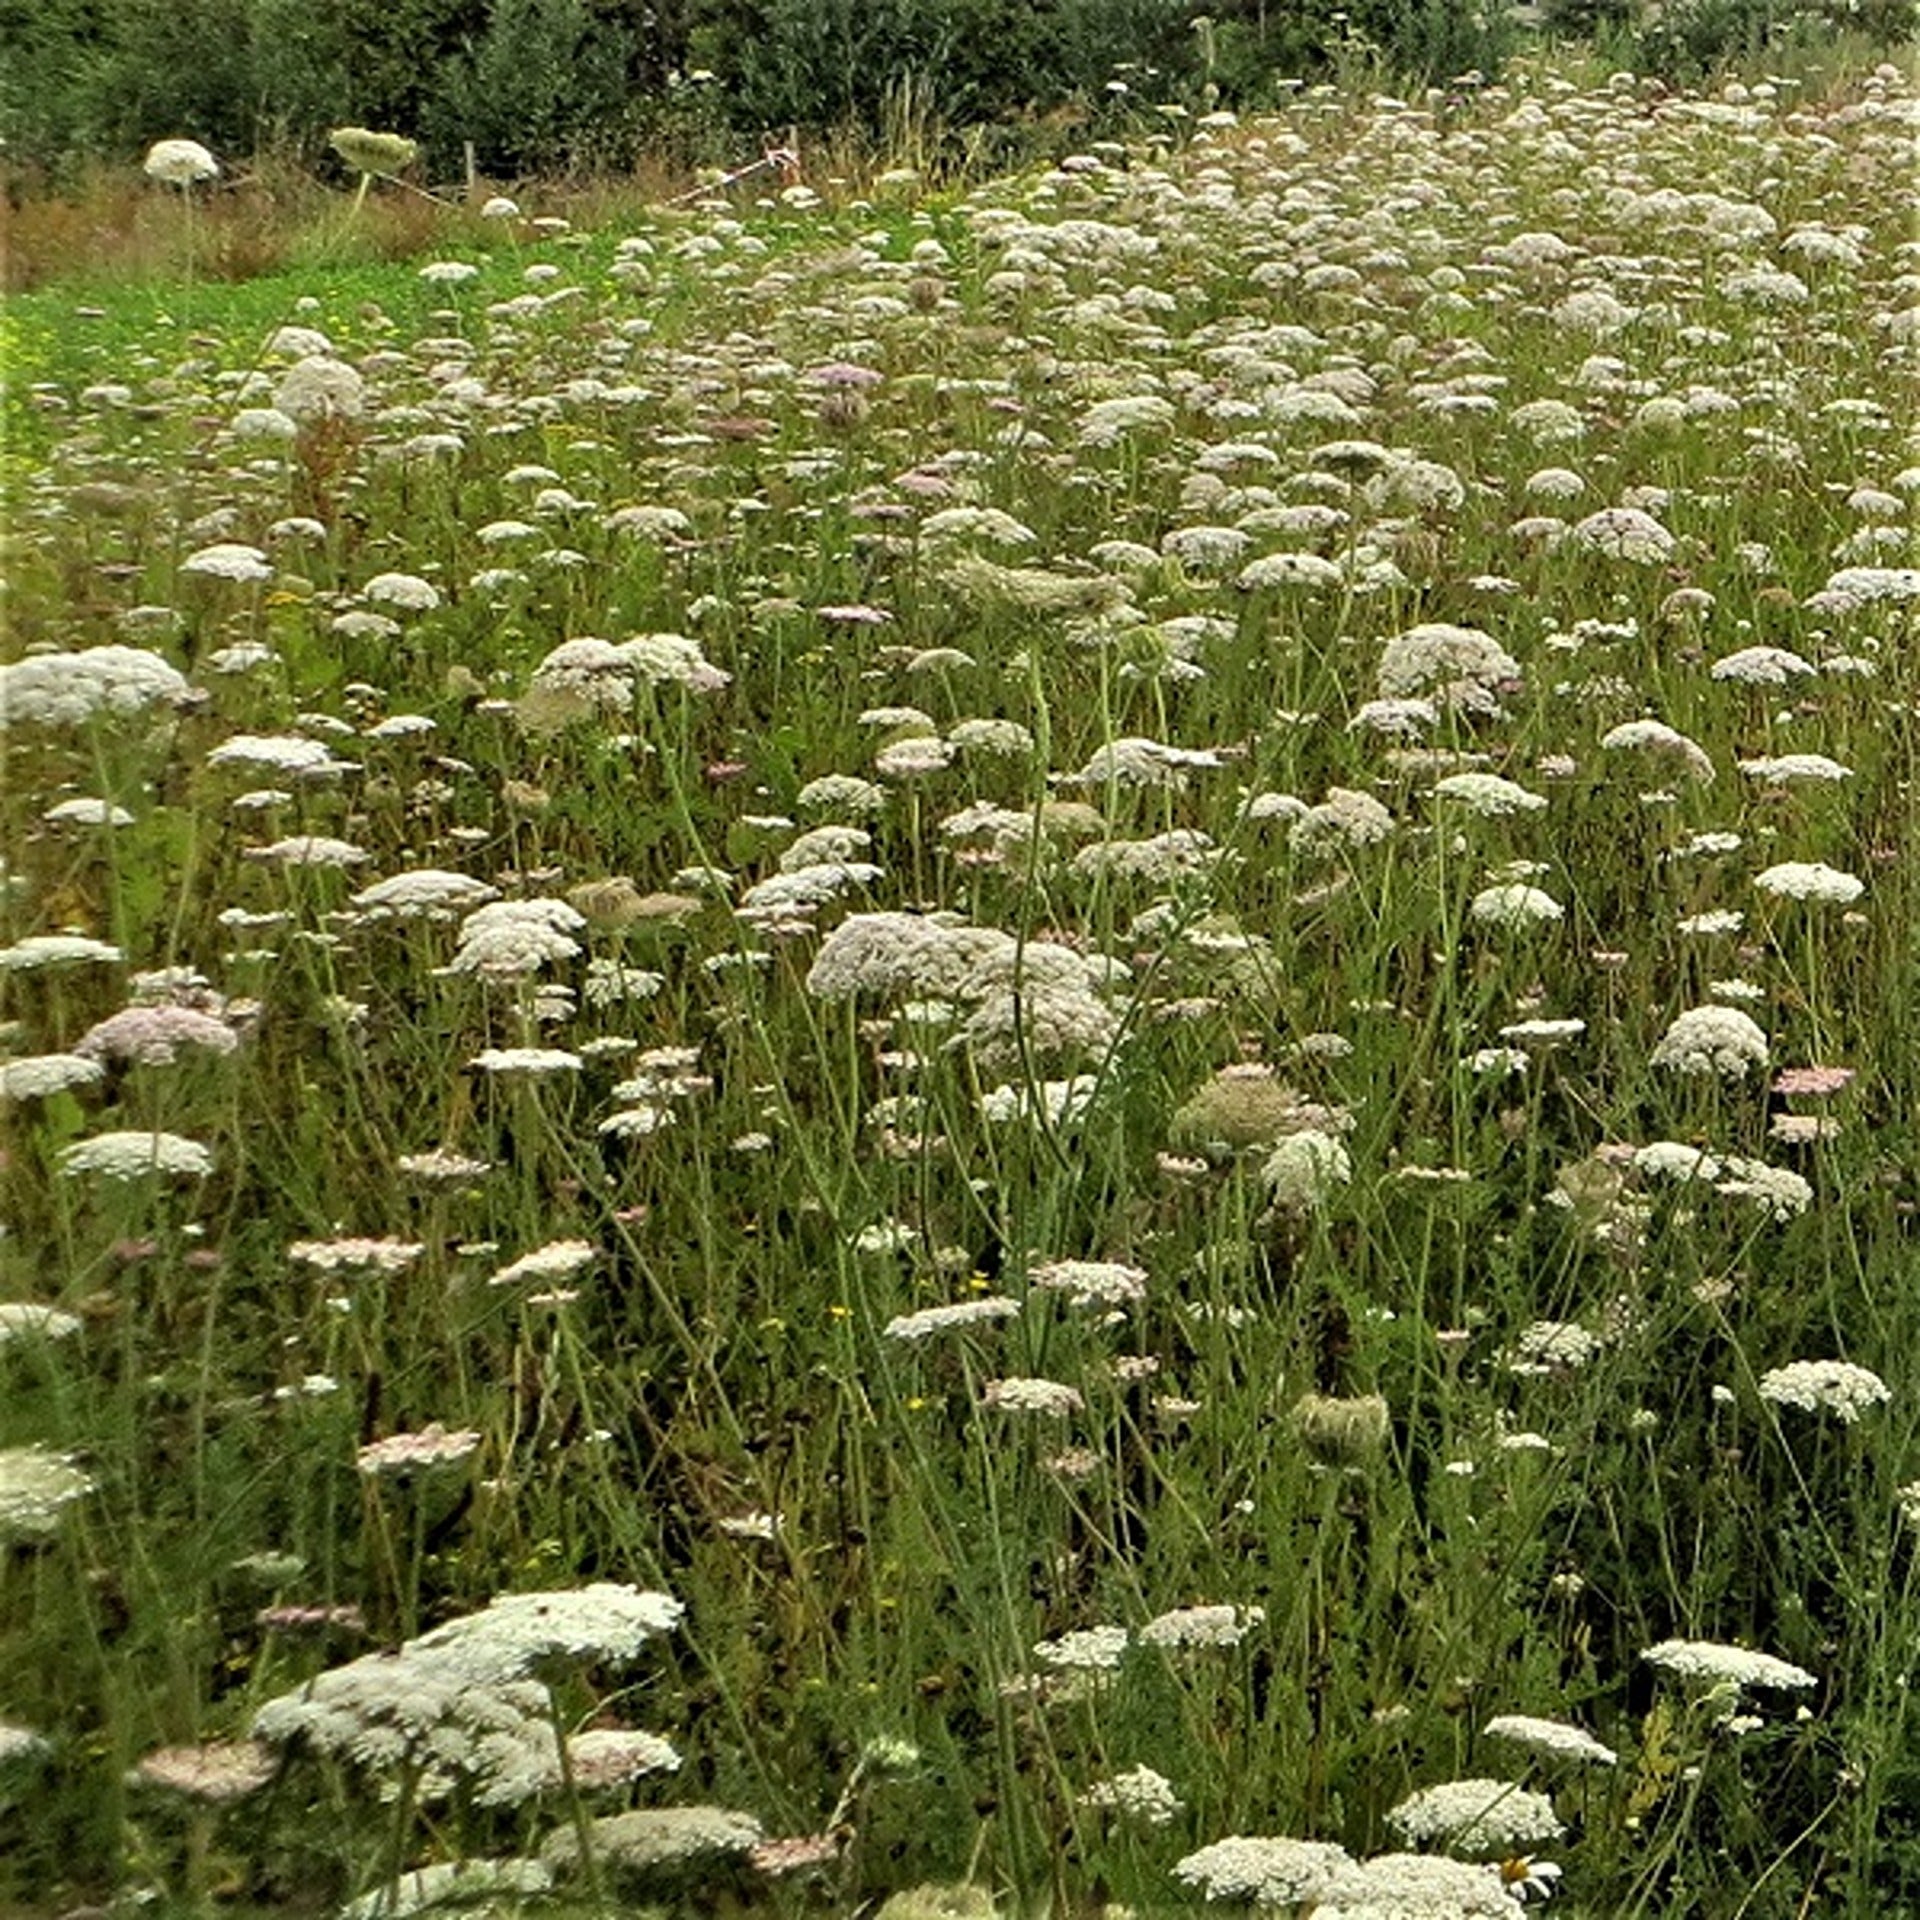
(1515,907)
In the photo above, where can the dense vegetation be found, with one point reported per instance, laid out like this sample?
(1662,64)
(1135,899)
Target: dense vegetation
(540,84)
(1063,1038)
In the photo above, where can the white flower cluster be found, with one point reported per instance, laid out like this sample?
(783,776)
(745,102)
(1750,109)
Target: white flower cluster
(1091,1283)
(1304,1169)
(1825,1386)
(1275,1872)
(40,1074)
(1712,1040)
(458,1704)
(135,1156)
(1085,1650)
(1204,1626)
(69,689)
(1478,1816)
(424,893)
(1138,1794)
(922,1324)
(1810,880)
(36,1486)
(1459,667)
(1718,1665)
(1552,1739)
(507,938)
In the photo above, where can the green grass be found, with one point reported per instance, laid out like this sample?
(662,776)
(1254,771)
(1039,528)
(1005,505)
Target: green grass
(1340,1411)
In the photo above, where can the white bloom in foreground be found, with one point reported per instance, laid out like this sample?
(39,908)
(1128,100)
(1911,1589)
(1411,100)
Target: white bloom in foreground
(69,689)
(1478,1816)
(1712,1040)
(424,891)
(1810,880)
(180,163)
(555,1261)
(1785,769)
(1724,1666)
(502,938)
(283,753)
(21,1743)
(1761,666)
(319,387)
(36,1487)
(1091,1283)
(1138,1794)
(1782,1192)
(1273,1872)
(132,1156)
(389,1713)
(1553,1739)
(1830,1386)
(612,1756)
(229,560)
(517,1633)
(41,950)
(1305,1168)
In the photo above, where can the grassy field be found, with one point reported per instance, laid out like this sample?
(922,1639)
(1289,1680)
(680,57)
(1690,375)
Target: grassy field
(1042,1051)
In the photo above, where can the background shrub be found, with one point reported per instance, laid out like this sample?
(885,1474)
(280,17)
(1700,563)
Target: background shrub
(539,85)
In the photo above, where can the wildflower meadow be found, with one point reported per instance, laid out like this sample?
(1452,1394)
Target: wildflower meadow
(1038,1049)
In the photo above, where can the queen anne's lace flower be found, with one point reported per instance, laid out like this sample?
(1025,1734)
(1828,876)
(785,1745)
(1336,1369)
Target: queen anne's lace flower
(1270,1872)
(1305,1168)
(1138,1794)
(135,1156)
(37,1485)
(1724,1666)
(1830,1386)
(1812,881)
(1554,1739)
(1712,1040)
(1478,1816)
(69,689)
